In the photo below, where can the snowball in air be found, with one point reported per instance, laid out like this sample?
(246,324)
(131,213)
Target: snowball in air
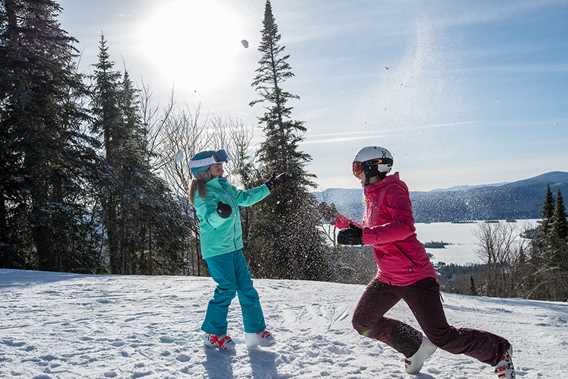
(179,156)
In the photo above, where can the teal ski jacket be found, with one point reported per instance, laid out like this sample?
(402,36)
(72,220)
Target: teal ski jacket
(223,235)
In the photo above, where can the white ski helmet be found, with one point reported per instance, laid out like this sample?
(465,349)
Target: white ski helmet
(377,156)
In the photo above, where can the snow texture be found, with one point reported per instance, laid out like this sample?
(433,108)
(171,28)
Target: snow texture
(57,325)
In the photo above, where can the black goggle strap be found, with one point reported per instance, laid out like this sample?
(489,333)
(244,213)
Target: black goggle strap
(378,161)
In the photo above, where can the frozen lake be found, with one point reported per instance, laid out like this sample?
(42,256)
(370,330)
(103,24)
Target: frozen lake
(462,237)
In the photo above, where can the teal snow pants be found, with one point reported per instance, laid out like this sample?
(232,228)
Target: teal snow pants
(231,273)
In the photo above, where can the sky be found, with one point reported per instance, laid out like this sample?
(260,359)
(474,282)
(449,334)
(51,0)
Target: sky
(460,92)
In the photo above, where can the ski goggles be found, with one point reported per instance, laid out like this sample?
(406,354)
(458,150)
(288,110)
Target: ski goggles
(220,156)
(359,167)
(211,158)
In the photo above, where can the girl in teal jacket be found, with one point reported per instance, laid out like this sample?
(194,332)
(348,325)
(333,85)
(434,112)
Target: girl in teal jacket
(217,205)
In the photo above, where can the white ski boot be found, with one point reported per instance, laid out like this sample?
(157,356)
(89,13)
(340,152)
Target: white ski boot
(425,351)
(505,368)
(263,338)
(223,343)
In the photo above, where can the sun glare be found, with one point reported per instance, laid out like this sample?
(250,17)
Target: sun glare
(192,43)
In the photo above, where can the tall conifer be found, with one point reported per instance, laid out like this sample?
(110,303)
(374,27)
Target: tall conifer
(547,210)
(285,233)
(559,228)
(47,157)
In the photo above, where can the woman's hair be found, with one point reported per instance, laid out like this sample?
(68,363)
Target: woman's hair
(198,184)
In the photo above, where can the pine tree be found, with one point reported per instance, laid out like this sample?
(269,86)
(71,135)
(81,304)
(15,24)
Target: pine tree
(557,237)
(154,229)
(559,228)
(49,158)
(11,153)
(284,234)
(279,153)
(165,231)
(547,210)
(108,123)
(538,248)
(547,271)
(131,174)
(147,229)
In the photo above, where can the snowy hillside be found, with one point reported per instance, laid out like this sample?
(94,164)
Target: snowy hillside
(68,326)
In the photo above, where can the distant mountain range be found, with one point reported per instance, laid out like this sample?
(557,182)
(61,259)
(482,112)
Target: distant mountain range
(516,200)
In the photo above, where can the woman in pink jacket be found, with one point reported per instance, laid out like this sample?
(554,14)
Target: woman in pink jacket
(405,272)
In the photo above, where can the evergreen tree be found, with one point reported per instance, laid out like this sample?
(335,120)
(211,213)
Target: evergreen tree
(12,196)
(559,228)
(48,158)
(279,152)
(108,123)
(538,246)
(285,232)
(132,175)
(147,229)
(557,246)
(547,210)
(165,234)
(154,228)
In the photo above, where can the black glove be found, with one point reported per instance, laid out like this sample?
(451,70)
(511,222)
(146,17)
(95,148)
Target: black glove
(224,210)
(350,236)
(277,180)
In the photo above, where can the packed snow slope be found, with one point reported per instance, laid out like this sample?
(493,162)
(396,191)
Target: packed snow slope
(56,325)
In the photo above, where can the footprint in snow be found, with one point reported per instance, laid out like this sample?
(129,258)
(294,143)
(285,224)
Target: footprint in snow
(183,358)
(141,374)
(13,343)
(48,357)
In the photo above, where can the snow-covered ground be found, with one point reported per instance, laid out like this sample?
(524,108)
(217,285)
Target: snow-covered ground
(68,326)
(463,238)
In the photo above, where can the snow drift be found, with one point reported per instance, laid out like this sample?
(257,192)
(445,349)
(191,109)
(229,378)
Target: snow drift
(55,325)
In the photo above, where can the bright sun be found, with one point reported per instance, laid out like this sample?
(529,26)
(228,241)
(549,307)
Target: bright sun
(192,43)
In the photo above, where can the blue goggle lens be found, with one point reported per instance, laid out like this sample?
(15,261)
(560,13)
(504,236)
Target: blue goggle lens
(220,156)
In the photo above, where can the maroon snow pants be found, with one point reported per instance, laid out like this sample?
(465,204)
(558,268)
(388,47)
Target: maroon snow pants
(423,298)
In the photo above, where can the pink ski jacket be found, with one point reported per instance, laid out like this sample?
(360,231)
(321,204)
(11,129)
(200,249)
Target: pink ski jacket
(388,225)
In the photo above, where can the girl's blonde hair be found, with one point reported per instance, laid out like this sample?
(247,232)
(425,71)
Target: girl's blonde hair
(198,184)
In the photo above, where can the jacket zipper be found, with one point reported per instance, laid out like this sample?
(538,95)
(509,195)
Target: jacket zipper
(406,255)
(235,232)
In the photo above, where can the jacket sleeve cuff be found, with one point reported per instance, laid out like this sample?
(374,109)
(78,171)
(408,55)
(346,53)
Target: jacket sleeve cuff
(368,237)
(341,222)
